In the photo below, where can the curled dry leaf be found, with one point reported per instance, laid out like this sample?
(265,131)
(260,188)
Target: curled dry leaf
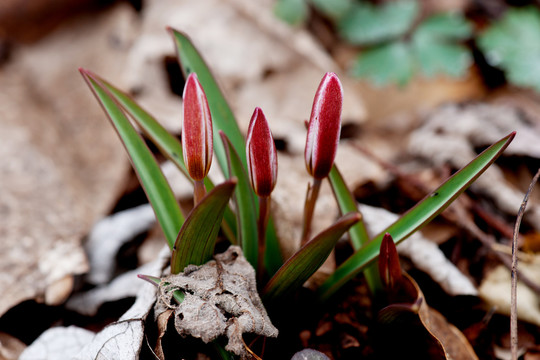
(220,299)
(418,330)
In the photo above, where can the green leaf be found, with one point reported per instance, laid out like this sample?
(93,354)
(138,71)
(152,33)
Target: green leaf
(334,9)
(153,181)
(358,232)
(445,26)
(435,45)
(415,218)
(246,210)
(388,63)
(167,144)
(293,12)
(513,44)
(273,258)
(442,58)
(222,116)
(347,203)
(197,237)
(366,24)
(299,268)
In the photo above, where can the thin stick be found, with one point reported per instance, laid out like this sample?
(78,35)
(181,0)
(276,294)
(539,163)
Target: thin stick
(198,191)
(309,208)
(513,308)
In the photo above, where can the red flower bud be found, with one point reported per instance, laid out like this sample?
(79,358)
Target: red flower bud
(196,130)
(389,267)
(324,127)
(261,155)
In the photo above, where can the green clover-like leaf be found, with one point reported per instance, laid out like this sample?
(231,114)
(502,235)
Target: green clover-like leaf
(513,44)
(385,64)
(367,24)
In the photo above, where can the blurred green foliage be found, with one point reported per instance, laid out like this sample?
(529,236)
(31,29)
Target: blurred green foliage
(513,45)
(394,42)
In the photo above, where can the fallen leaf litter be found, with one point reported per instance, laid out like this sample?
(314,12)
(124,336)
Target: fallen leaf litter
(221,298)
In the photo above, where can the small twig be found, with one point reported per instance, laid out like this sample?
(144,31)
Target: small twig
(513,306)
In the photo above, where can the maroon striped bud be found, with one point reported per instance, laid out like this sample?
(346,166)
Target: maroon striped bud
(324,127)
(197,141)
(261,155)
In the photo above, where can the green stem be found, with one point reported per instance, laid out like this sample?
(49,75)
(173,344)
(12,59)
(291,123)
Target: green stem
(309,208)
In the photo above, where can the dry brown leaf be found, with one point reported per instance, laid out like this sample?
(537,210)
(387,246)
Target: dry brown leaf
(123,286)
(221,298)
(61,163)
(123,339)
(107,237)
(495,291)
(10,347)
(420,328)
(162,323)
(58,343)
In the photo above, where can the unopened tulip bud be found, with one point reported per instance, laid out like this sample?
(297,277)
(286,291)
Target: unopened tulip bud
(196,130)
(261,155)
(389,267)
(324,127)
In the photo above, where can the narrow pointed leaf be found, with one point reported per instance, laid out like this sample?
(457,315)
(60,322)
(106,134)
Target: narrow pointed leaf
(418,216)
(197,238)
(168,145)
(299,268)
(347,203)
(273,258)
(222,115)
(153,181)
(358,232)
(246,210)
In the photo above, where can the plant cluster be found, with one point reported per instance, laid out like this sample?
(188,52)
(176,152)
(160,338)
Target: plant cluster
(250,167)
(395,42)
